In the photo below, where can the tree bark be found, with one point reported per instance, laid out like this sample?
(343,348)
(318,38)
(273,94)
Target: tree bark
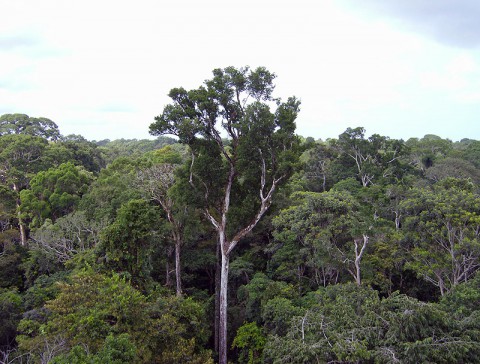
(168,281)
(218,268)
(21,226)
(167,273)
(23,233)
(227,245)
(223,309)
(178,270)
(358,258)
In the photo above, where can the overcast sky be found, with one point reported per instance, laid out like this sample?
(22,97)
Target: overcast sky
(103,68)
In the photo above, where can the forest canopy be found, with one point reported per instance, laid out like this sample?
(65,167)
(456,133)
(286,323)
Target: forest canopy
(353,249)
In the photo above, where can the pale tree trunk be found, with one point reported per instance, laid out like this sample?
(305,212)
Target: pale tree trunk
(167,274)
(21,226)
(223,310)
(356,273)
(441,285)
(397,220)
(23,233)
(178,270)
(178,239)
(217,298)
(168,281)
(156,182)
(227,245)
(226,248)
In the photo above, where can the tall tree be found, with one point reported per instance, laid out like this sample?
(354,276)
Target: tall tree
(24,124)
(113,188)
(375,157)
(234,180)
(156,181)
(127,243)
(20,158)
(424,152)
(324,232)
(54,193)
(453,167)
(318,168)
(82,152)
(444,227)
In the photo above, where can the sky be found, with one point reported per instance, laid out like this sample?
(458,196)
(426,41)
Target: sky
(103,69)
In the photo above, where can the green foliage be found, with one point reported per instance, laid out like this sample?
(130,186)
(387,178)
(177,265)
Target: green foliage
(11,257)
(45,288)
(347,323)
(39,262)
(250,340)
(127,242)
(171,154)
(54,193)
(233,100)
(260,290)
(132,147)
(464,299)
(81,152)
(371,160)
(86,287)
(453,167)
(23,124)
(188,320)
(85,319)
(10,314)
(20,158)
(113,188)
(316,237)
(115,350)
(69,235)
(7,206)
(443,224)
(277,313)
(96,312)
(426,151)
(472,153)
(319,166)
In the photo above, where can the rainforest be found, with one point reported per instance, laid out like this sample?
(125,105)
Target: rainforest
(227,237)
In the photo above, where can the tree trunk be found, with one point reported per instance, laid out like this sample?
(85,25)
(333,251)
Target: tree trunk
(23,233)
(226,246)
(168,281)
(223,310)
(441,285)
(217,299)
(167,273)
(178,270)
(358,258)
(358,279)
(397,220)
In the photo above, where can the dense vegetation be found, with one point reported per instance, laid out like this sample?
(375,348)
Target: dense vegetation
(349,250)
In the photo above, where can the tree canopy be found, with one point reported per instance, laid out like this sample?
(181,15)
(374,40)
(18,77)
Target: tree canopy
(229,236)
